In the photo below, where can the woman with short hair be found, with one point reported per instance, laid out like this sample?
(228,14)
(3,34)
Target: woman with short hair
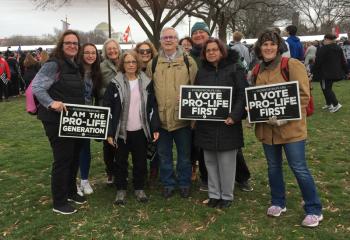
(282,135)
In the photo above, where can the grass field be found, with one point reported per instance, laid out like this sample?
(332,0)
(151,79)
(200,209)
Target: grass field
(26,207)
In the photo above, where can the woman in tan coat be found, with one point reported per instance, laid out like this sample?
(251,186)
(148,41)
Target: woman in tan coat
(290,136)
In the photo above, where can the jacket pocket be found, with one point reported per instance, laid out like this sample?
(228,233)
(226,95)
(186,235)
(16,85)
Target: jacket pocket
(162,113)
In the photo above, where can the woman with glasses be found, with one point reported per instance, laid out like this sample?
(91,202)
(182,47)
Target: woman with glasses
(90,70)
(135,121)
(146,52)
(110,52)
(221,140)
(59,82)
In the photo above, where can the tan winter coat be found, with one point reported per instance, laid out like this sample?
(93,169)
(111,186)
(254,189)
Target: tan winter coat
(295,130)
(168,77)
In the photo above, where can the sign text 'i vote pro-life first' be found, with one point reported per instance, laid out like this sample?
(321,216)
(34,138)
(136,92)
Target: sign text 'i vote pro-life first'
(281,100)
(84,121)
(205,102)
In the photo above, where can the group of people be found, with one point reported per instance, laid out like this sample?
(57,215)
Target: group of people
(142,88)
(18,70)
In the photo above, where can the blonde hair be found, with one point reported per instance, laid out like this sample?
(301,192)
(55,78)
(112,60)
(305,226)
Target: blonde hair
(29,60)
(44,56)
(104,48)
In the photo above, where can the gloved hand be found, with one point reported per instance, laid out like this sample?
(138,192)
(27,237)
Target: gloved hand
(274,122)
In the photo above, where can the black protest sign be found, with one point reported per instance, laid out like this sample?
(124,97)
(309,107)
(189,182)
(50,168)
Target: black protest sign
(84,121)
(205,102)
(281,100)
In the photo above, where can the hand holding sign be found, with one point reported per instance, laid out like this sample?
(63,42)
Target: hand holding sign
(58,106)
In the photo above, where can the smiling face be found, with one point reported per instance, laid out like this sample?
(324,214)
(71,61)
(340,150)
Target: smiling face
(130,64)
(169,41)
(89,55)
(70,46)
(199,37)
(145,53)
(112,51)
(213,53)
(269,50)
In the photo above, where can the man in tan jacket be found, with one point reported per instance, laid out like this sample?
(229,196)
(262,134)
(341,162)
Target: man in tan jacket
(173,68)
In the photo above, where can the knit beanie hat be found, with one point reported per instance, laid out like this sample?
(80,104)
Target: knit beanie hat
(200,26)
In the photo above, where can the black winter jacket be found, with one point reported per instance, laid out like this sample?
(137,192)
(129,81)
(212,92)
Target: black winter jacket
(216,135)
(330,63)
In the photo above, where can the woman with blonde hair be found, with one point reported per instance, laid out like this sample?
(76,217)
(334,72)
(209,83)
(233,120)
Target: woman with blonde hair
(111,52)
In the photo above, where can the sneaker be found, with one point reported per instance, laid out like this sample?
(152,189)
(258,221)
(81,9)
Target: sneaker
(141,196)
(109,179)
(245,186)
(327,107)
(275,211)
(86,187)
(335,108)
(312,220)
(213,202)
(224,203)
(203,187)
(76,198)
(185,192)
(120,198)
(79,192)
(65,209)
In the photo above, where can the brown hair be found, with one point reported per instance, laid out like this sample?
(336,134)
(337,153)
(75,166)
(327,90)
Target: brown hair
(237,36)
(44,56)
(221,45)
(58,51)
(29,61)
(268,35)
(150,45)
(122,59)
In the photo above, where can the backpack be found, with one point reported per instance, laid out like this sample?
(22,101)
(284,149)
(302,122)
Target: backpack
(285,74)
(32,104)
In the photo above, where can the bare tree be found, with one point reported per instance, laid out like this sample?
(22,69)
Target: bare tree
(151,15)
(322,15)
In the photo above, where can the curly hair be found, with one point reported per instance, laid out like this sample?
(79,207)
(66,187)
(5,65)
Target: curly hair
(268,35)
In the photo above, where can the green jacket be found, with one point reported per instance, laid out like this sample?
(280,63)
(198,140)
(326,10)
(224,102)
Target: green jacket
(168,77)
(109,71)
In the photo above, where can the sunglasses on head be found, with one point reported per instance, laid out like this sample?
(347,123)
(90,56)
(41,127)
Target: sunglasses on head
(145,51)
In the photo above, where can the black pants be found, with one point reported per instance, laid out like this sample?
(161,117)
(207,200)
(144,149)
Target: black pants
(242,170)
(65,164)
(108,157)
(14,86)
(4,90)
(326,86)
(136,143)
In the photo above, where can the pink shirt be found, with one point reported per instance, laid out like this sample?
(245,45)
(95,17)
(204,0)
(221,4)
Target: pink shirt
(134,117)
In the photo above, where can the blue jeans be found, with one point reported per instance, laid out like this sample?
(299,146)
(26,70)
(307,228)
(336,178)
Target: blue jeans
(85,159)
(295,153)
(182,138)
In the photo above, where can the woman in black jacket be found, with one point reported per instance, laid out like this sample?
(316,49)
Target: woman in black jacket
(330,65)
(221,140)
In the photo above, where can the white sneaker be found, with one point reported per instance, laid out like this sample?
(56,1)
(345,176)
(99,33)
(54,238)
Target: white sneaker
(86,187)
(335,108)
(79,192)
(275,211)
(327,107)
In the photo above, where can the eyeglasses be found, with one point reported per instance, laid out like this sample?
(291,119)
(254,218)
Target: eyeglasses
(145,51)
(131,62)
(89,53)
(71,43)
(168,38)
(112,49)
(212,50)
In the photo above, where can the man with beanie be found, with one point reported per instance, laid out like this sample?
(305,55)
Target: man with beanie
(200,33)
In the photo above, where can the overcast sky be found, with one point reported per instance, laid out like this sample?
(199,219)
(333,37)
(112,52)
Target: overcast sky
(20,17)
